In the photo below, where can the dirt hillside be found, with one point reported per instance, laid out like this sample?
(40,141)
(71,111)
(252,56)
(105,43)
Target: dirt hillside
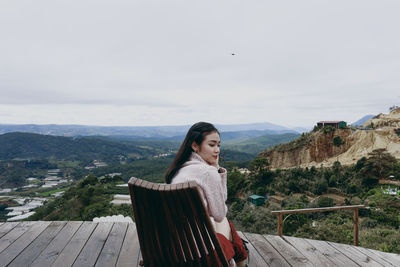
(317,147)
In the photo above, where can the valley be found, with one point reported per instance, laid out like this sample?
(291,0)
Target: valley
(76,178)
(37,168)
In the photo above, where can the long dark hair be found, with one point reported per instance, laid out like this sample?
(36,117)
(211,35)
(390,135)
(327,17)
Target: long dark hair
(196,134)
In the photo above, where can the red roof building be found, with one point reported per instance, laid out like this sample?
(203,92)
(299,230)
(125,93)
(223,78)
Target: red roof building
(334,124)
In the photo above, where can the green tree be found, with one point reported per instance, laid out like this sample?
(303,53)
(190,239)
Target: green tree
(378,165)
(325,202)
(397,131)
(338,141)
(235,182)
(329,129)
(360,164)
(261,173)
(89,180)
(320,186)
(16,176)
(337,167)
(294,221)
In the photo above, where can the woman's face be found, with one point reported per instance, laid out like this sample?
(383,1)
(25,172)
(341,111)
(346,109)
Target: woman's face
(209,148)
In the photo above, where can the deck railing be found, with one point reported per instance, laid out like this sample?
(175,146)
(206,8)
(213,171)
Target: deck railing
(279,213)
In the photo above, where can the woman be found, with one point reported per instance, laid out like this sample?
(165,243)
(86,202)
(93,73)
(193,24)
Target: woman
(197,160)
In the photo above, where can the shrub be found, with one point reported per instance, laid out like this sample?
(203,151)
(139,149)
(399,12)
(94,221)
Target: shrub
(370,223)
(328,129)
(325,202)
(397,131)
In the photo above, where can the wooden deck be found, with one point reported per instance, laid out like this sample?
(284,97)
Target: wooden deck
(77,243)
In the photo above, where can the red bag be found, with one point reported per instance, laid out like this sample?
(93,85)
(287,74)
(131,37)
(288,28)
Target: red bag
(226,246)
(238,246)
(235,248)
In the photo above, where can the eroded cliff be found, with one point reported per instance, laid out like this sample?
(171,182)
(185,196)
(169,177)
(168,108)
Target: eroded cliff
(318,147)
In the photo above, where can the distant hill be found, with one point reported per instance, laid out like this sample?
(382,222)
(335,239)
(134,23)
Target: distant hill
(240,136)
(249,142)
(263,126)
(255,145)
(138,132)
(236,136)
(362,120)
(236,146)
(35,146)
(83,130)
(158,145)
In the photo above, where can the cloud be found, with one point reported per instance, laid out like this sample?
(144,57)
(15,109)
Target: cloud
(171,62)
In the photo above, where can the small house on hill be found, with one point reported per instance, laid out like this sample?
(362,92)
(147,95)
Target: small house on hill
(334,124)
(257,200)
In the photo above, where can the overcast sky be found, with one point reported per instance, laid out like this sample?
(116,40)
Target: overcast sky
(170,62)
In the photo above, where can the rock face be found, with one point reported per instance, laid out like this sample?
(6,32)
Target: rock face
(317,147)
(385,121)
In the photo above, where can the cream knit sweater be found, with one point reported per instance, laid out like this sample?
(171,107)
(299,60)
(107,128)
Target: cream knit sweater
(212,184)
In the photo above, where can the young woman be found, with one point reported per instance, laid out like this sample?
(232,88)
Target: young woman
(197,160)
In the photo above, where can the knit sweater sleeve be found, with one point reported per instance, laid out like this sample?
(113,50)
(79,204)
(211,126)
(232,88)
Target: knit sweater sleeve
(214,189)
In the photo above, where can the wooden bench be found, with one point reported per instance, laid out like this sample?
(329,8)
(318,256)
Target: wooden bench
(173,226)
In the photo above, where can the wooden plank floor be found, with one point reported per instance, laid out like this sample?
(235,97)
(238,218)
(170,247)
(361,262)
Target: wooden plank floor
(116,244)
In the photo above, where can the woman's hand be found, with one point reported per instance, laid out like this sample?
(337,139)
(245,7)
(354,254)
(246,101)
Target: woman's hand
(216,165)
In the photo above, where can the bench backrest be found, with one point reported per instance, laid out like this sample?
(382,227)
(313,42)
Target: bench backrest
(173,226)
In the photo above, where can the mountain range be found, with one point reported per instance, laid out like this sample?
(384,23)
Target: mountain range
(142,132)
(18,145)
(80,141)
(36,146)
(362,120)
